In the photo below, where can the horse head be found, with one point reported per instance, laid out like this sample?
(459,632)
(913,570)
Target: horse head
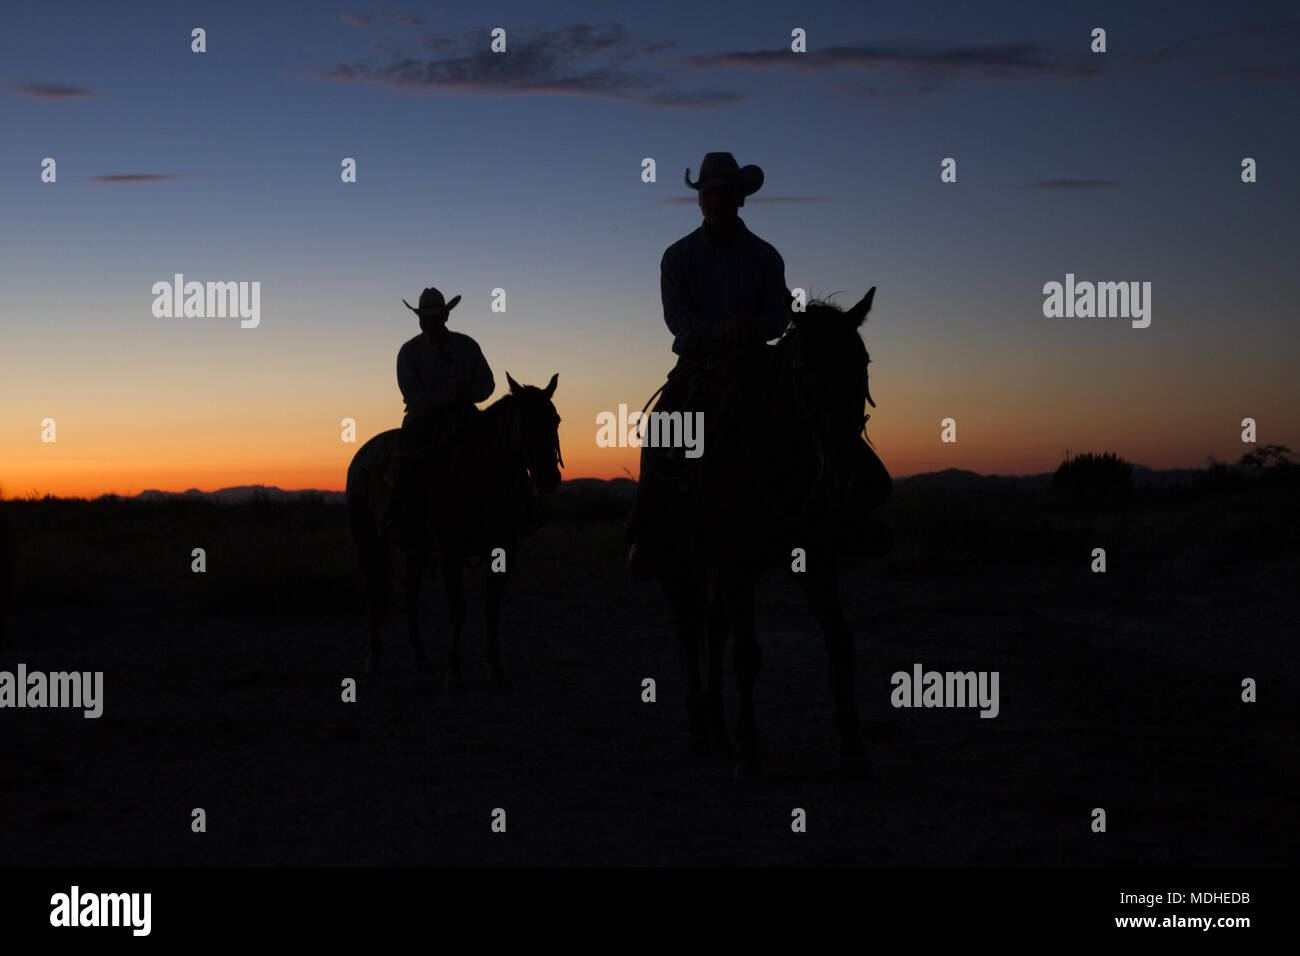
(537,431)
(828,361)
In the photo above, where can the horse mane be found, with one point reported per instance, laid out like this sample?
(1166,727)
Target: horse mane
(815,304)
(824,302)
(504,404)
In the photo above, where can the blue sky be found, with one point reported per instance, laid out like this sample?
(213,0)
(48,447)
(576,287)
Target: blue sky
(522,171)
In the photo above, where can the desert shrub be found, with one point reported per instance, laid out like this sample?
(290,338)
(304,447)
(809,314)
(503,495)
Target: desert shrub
(1104,479)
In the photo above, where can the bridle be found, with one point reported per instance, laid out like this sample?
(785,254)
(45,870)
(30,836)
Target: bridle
(519,444)
(834,480)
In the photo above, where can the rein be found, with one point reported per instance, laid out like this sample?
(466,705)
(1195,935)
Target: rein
(791,371)
(519,445)
(822,441)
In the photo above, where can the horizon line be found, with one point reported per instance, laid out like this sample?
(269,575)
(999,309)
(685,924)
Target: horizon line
(303,491)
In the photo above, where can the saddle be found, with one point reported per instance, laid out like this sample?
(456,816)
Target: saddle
(851,483)
(712,385)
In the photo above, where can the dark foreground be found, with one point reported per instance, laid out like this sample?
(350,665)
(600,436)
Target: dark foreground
(222,691)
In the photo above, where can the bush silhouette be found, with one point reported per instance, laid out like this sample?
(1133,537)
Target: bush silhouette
(1274,466)
(1095,479)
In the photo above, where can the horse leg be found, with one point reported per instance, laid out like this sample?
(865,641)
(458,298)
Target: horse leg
(821,586)
(737,591)
(494,586)
(416,562)
(453,583)
(376,563)
(719,630)
(685,593)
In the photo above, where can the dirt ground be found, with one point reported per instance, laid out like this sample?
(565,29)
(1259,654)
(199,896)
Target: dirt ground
(1120,691)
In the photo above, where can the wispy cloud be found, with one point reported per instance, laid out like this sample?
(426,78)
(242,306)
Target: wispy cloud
(138,178)
(601,61)
(1073,183)
(357,20)
(695,99)
(51,91)
(904,72)
(916,69)
(691,200)
(1263,53)
(1259,74)
(578,60)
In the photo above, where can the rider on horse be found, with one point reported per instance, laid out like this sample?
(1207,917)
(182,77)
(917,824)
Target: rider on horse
(441,375)
(724,296)
(724,293)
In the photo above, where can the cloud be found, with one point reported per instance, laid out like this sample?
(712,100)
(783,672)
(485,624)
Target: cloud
(1259,74)
(1073,183)
(51,91)
(908,70)
(691,200)
(138,178)
(703,99)
(1242,52)
(407,20)
(578,60)
(357,20)
(1001,60)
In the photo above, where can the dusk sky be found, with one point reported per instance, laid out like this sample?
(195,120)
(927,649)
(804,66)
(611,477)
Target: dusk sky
(522,171)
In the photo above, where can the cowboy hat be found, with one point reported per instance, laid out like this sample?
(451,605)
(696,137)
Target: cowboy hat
(721,170)
(432,305)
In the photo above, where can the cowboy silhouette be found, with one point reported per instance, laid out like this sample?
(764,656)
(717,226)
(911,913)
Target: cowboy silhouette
(724,292)
(441,374)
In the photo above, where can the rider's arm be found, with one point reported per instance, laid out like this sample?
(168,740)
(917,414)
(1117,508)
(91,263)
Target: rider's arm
(774,307)
(690,327)
(481,384)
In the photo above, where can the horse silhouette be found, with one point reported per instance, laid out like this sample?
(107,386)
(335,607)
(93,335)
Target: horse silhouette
(782,471)
(510,450)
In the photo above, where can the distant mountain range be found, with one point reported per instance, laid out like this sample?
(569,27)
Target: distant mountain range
(241,493)
(625,487)
(957,478)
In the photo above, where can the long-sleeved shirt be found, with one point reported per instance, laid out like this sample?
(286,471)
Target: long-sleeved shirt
(431,379)
(704,283)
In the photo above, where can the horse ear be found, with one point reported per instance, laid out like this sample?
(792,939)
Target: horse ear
(550,389)
(859,312)
(514,386)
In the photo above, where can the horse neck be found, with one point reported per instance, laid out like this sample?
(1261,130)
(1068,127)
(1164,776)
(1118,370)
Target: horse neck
(773,390)
(501,432)
(755,412)
(779,412)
